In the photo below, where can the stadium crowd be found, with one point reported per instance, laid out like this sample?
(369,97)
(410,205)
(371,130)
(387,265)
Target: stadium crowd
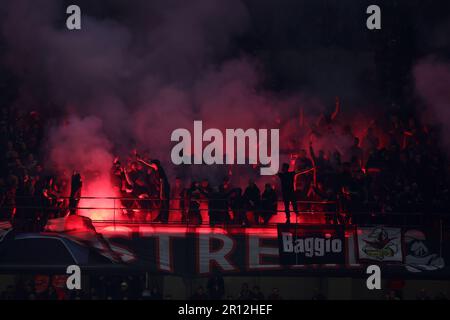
(397,165)
(114,287)
(136,287)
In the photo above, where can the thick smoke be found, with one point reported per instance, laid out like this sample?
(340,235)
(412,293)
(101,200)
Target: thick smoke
(128,81)
(135,72)
(432,79)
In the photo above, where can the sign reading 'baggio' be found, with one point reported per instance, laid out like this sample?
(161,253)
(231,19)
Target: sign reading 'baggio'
(303,244)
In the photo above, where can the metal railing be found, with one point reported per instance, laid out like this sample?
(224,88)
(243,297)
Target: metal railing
(198,211)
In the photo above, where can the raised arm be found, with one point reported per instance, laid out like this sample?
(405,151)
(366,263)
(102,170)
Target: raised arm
(148,164)
(314,161)
(127,177)
(313,155)
(336,109)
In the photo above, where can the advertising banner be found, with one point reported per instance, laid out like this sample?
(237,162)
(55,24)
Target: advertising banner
(311,244)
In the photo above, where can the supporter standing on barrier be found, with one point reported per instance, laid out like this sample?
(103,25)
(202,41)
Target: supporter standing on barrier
(237,205)
(252,197)
(75,192)
(287,190)
(191,205)
(269,203)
